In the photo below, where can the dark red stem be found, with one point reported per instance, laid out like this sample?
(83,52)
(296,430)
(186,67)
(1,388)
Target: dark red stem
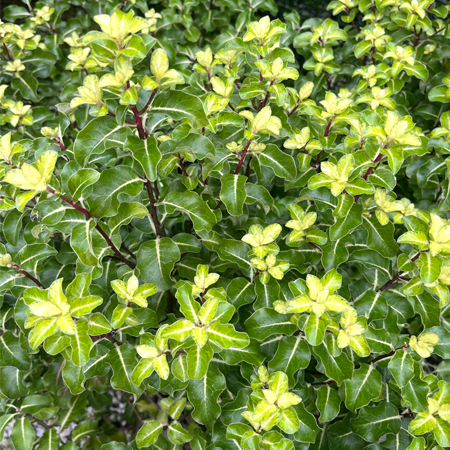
(434,34)
(241,161)
(182,165)
(7,52)
(154,214)
(129,122)
(328,128)
(29,276)
(394,280)
(150,100)
(238,168)
(388,355)
(109,336)
(293,111)
(140,127)
(129,251)
(323,383)
(369,171)
(97,226)
(60,143)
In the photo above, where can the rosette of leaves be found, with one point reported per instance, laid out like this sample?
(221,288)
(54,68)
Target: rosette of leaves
(352,327)
(33,178)
(265,249)
(302,229)
(153,352)
(51,311)
(274,406)
(205,326)
(337,177)
(317,298)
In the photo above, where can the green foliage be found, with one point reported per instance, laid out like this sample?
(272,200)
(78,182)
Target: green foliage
(223,231)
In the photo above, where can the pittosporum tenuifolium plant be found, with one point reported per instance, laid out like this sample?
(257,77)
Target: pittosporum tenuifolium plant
(224,230)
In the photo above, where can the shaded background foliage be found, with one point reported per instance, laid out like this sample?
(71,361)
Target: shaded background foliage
(274,290)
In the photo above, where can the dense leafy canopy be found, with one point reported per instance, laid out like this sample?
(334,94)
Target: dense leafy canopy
(225,231)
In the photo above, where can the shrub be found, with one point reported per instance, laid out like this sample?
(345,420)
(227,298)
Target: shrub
(210,241)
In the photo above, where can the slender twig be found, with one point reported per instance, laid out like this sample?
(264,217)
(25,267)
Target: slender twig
(238,168)
(397,277)
(129,122)
(26,274)
(318,161)
(417,104)
(417,37)
(208,74)
(57,236)
(150,100)
(143,135)
(8,54)
(60,143)
(109,336)
(369,171)
(140,127)
(155,184)
(347,10)
(204,181)
(39,421)
(182,165)
(434,34)
(323,383)
(328,128)
(388,355)
(49,27)
(97,226)
(71,203)
(244,153)
(293,111)
(152,401)
(264,102)
(128,251)
(153,212)
(133,408)
(113,247)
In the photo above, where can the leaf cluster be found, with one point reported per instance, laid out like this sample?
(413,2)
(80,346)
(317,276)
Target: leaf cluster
(225,230)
